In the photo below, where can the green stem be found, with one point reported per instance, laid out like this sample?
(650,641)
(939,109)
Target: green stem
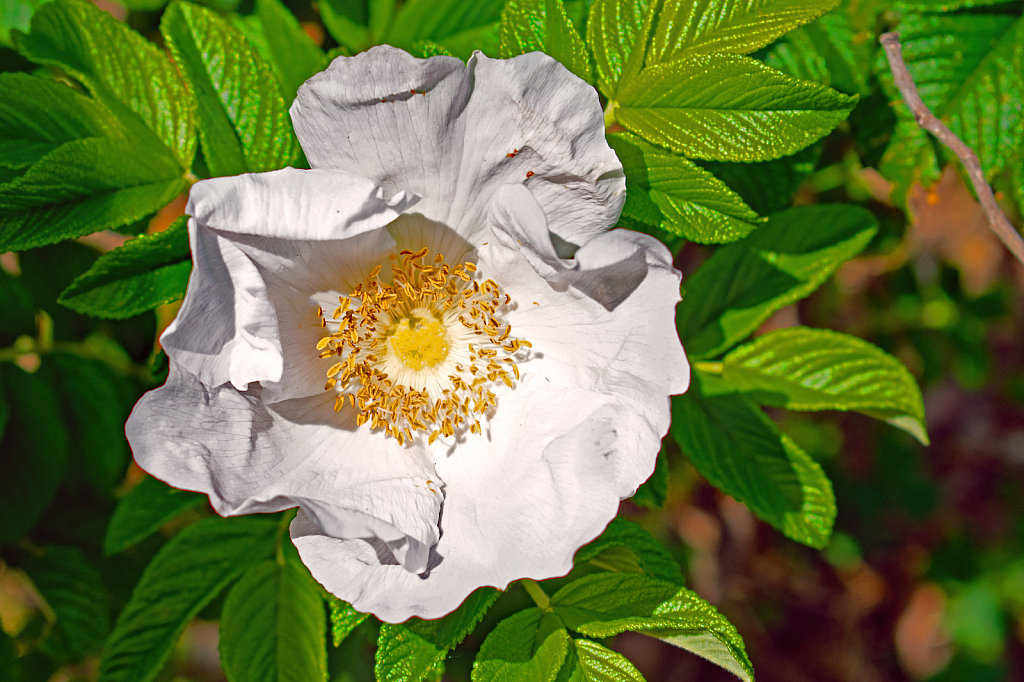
(24,345)
(44,324)
(536,593)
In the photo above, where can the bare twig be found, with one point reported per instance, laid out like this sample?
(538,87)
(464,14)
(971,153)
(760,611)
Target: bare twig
(997,220)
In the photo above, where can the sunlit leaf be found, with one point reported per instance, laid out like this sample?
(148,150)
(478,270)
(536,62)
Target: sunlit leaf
(671,192)
(531,645)
(816,369)
(618,32)
(967,70)
(439,20)
(605,604)
(288,49)
(626,546)
(786,259)
(410,651)
(600,664)
(543,25)
(344,619)
(119,67)
(144,273)
(244,122)
(701,27)
(727,108)
(740,451)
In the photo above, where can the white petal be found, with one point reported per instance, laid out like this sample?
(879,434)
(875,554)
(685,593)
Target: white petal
(295,204)
(517,505)
(250,457)
(603,321)
(299,276)
(453,133)
(230,325)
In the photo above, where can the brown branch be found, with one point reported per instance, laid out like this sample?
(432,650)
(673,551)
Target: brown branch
(998,221)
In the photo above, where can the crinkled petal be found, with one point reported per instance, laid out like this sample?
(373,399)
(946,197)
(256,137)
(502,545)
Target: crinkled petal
(603,321)
(453,133)
(295,204)
(252,457)
(306,229)
(519,501)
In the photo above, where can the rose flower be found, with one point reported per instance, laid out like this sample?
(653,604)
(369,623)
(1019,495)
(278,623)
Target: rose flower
(431,343)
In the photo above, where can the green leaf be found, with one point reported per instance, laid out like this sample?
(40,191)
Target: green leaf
(17,314)
(654,491)
(767,186)
(344,619)
(152,5)
(742,284)
(439,20)
(728,108)
(530,645)
(16,14)
(73,589)
(381,13)
(688,28)
(83,186)
(410,651)
(190,570)
(292,54)
(605,604)
(5,413)
(625,546)
(38,115)
(618,33)
(33,453)
(543,25)
(144,273)
(484,38)
(10,666)
(44,282)
(425,49)
(740,451)
(828,51)
(344,25)
(244,121)
(272,627)
(967,69)
(80,168)
(815,369)
(119,67)
(30,228)
(600,664)
(909,157)
(673,193)
(149,505)
(940,5)
(96,402)
(1016,179)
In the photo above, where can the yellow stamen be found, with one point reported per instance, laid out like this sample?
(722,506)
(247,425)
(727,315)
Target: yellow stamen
(406,326)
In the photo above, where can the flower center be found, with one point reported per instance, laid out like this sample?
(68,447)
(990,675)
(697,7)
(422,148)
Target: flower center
(419,340)
(421,352)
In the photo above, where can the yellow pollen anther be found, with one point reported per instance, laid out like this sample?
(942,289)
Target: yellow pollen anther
(402,351)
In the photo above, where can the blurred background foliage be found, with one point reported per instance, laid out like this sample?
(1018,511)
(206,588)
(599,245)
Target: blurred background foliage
(924,576)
